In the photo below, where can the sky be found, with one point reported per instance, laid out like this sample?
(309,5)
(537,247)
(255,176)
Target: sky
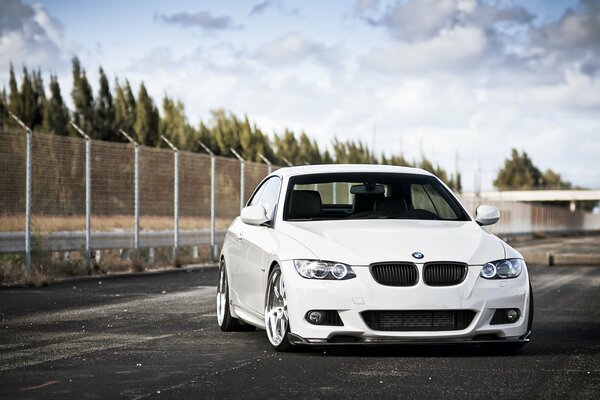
(460,81)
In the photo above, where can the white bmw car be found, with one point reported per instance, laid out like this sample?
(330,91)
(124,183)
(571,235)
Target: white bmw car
(369,254)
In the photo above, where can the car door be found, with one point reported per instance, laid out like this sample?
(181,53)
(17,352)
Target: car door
(259,242)
(237,255)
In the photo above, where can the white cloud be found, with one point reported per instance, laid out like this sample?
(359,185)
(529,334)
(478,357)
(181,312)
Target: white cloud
(201,19)
(28,35)
(293,49)
(451,49)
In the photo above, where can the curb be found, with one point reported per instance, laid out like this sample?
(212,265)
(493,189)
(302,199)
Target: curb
(550,259)
(82,278)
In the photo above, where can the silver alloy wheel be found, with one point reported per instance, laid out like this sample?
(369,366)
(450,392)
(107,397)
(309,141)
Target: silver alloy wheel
(221,295)
(276,315)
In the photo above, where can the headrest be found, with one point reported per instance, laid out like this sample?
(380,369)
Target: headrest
(305,204)
(365,201)
(391,205)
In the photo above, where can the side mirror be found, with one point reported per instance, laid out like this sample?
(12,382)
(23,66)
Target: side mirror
(487,215)
(254,215)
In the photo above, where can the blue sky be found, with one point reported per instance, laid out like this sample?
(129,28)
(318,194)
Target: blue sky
(472,77)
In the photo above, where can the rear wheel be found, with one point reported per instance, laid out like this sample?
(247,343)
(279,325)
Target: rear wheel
(276,315)
(226,321)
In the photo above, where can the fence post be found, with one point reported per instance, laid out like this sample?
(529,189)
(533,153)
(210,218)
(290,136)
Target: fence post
(285,160)
(242,167)
(266,160)
(88,193)
(213,169)
(136,192)
(175,197)
(28,169)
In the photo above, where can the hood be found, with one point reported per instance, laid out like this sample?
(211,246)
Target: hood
(362,242)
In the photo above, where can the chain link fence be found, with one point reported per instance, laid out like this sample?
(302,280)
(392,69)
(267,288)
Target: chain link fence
(58,201)
(58,197)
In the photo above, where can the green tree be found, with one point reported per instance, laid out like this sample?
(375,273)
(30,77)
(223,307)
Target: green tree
(519,172)
(15,104)
(174,125)
(351,152)
(125,108)
(4,117)
(32,99)
(226,130)
(104,112)
(56,115)
(287,147)
(207,137)
(146,118)
(83,100)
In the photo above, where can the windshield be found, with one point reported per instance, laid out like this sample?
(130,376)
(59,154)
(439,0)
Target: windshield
(370,196)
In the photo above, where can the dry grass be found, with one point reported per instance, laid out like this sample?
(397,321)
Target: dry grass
(49,266)
(56,223)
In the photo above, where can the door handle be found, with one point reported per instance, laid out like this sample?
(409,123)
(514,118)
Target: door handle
(240,236)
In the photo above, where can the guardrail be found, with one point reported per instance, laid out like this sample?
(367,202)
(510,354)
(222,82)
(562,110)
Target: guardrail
(14,242)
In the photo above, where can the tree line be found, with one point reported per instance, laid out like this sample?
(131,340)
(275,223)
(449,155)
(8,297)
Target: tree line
(101,115)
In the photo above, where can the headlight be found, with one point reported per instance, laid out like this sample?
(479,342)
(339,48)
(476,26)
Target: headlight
(503,269)
(313,269)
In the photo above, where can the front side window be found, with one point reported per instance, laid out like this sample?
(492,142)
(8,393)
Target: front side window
(267,195)
(370,196)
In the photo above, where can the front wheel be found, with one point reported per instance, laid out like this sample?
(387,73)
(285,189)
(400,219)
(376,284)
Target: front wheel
(276,315)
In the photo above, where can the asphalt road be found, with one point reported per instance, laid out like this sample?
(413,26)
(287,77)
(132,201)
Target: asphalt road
(155,336)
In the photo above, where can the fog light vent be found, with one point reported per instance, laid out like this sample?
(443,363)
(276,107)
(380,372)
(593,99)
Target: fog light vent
(324,317)
(505,316)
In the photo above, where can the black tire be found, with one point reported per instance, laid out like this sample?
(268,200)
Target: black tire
(285,344)
(227,323)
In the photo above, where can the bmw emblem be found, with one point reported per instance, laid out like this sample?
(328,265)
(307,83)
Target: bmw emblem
(418,255)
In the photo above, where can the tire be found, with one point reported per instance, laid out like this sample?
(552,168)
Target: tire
(276,317)
(226,322)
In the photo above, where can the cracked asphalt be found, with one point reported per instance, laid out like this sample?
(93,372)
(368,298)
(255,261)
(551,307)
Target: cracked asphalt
(155,336)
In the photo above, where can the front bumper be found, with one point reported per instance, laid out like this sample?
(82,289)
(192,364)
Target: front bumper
(353,296)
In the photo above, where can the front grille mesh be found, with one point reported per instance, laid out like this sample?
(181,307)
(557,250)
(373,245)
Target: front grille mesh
(444,274)
(418,320)
(332,318)
(395,274)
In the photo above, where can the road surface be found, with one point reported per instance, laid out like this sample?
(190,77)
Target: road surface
(155,336)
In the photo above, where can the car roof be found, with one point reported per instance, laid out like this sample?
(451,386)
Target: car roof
(334,168)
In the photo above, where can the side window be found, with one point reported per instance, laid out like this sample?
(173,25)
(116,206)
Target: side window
(442,207)
(420,200)
(267,195)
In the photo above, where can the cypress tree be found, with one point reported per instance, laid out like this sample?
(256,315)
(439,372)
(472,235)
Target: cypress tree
(174,126)
(146,119)
(14,98)
(124,108)
(26,94)
(104,112)
(56,115)
(4,117)
(83,99)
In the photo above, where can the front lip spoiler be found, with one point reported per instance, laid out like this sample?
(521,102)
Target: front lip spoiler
(358,340)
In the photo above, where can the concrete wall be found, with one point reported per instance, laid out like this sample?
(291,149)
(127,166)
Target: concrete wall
(525,218)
